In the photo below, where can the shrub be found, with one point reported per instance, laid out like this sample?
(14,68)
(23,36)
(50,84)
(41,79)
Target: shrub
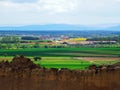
(37,58)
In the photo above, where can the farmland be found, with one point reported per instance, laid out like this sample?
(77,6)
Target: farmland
(67,52)
(73,50)
(72,58)
(71,63)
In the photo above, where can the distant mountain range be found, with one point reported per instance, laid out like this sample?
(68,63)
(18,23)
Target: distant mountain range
(61,27)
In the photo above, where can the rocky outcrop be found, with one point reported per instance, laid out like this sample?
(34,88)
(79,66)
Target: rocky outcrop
(23,74)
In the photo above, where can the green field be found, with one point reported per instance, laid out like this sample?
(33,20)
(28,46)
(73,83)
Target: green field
(71,63)
(64,57)
(63,62)
(63,52)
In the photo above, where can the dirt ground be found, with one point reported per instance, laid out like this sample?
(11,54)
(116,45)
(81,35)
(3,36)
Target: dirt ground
(97,58)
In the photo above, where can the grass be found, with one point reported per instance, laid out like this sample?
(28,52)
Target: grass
(63,62)
(5,58)
(110,62)
(70,63)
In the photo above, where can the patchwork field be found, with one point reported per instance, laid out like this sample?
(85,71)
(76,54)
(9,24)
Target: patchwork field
(72,63)
(72,58)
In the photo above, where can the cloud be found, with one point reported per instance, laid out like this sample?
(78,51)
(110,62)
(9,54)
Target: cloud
(59,11)
(21,1)
(58,5)
(51,6)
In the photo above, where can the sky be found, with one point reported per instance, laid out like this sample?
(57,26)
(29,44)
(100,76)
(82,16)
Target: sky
(75,12)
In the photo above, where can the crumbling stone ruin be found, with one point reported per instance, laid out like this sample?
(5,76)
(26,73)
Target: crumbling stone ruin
(23,74)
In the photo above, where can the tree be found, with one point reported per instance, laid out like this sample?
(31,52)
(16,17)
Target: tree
(9,40)
(37,45)
(16,41)
(37,58)
(6,40)
(30,38)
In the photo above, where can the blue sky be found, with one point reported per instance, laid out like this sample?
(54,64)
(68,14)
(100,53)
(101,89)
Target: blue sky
(77,12)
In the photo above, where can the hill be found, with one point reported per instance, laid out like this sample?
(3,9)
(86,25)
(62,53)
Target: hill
(60,27)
